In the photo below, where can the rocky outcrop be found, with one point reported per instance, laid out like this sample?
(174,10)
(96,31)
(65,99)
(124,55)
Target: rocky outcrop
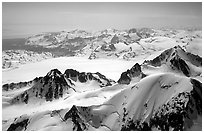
(74,115)
(162,58)
(84,77)
(19,124)
(135,71)
(92,56)
(11,86)
(114,40)
(180,64)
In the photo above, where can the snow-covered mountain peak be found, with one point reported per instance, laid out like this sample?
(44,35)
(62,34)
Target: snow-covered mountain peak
(177,59)
(54,73)
(133,74)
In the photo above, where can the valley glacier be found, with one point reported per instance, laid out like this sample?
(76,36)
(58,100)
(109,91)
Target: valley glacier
(137,79)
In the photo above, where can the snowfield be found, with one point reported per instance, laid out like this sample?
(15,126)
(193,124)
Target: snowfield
(110,68)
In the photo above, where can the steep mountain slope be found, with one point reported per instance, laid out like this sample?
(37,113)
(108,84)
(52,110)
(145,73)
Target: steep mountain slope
(175,60)
(134,73)
(167,102)
(178,60)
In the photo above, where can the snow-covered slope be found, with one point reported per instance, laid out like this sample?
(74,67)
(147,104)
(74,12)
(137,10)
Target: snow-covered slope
(157,102)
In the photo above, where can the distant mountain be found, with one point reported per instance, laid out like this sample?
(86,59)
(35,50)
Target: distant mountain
(14,58)
(109,43)
(79,40)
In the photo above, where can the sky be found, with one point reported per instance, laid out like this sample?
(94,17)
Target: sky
(23,19)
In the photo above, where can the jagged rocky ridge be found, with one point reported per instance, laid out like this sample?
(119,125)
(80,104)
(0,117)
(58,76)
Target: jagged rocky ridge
(55,85)
(84,77)
(177,59)
(134,72)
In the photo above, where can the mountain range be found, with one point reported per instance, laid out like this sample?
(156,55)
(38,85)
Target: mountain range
(161,91)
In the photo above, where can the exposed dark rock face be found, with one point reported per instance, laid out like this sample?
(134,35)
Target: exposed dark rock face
(72,74)
(124,78)
(84,77)
(82,117)
(112,47)
(175,114)
(135,71)
(180,65)
(195,59)
(11,86)
(160,59)
(50,87)
(197,94)
(73,114)
(56,76)
(18,126)
(105,82)
(115,40)
(135,126)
